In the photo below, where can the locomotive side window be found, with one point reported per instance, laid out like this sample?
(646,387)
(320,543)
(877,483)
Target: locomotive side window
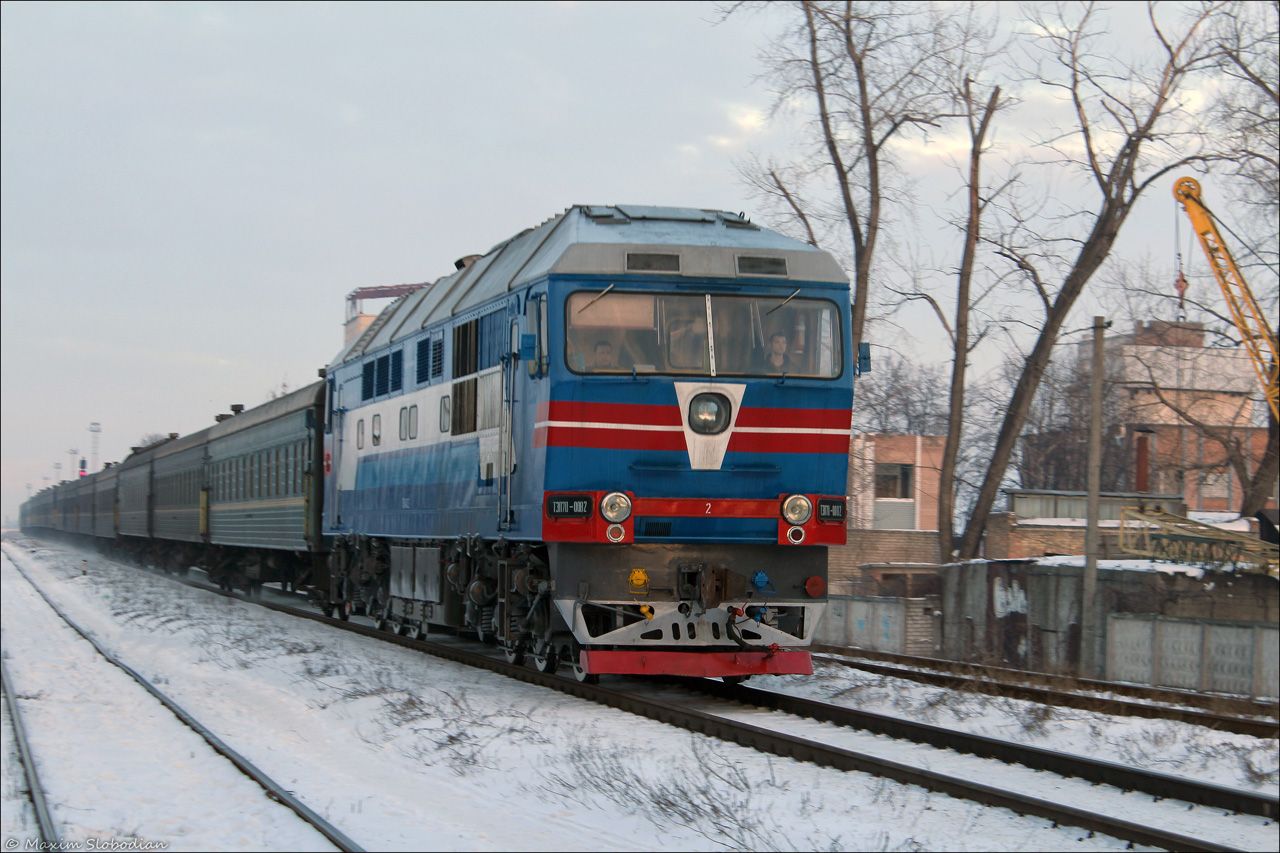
(413,422)
(404,423)
(465,346)
(375,430)
(360,434)
(464,407)
(446,417)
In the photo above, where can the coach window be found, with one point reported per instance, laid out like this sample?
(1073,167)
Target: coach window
(360,434)
(375,430)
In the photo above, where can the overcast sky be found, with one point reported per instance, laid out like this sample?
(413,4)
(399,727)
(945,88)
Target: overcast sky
(188,191)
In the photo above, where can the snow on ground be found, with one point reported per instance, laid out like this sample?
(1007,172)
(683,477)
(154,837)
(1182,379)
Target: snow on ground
(75,703)
(405,751)
(1162,746)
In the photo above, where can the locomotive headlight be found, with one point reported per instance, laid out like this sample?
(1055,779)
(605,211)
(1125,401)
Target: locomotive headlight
(797,509)
(709,414)
(616,507)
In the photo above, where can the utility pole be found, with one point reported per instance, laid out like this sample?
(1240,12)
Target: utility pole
(1088,606)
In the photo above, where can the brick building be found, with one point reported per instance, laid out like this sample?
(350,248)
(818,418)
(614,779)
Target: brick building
(893,511)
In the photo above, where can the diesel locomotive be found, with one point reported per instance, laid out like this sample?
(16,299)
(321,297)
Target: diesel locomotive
(616,442)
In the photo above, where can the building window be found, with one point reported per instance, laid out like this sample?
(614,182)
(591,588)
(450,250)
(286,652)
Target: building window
(1215,484)
(893,481)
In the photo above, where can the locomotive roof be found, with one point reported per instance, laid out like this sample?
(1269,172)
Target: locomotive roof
(595,239)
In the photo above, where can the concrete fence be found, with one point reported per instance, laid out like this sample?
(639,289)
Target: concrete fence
(898,625)
(1194,654)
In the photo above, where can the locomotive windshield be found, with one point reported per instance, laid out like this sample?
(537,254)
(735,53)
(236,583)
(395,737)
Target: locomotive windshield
(704,335)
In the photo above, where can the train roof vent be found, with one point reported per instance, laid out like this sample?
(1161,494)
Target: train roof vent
(756,265)
(606,215)
(737,220)
(669,214)
(652,262)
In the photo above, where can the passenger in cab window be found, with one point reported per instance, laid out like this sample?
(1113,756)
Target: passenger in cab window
(777,359)
(604,357)
(689,343)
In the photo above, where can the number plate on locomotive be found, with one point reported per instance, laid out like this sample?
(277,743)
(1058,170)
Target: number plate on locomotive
(569,506)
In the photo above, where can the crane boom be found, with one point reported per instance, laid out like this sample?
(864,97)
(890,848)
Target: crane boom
(1255,331)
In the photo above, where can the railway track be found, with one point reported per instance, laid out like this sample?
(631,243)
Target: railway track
(273,789)
(636,696)
(688,707)
(1225,713)
(47,829)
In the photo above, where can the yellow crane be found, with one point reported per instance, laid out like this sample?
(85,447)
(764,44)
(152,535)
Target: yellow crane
(1255,330)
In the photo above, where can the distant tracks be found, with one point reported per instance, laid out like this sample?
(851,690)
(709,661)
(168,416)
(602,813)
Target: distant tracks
(273,789)
(1068,692)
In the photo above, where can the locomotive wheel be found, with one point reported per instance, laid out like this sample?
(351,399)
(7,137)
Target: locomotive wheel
(545,658)
(575,655)
(514,652)
(381,623)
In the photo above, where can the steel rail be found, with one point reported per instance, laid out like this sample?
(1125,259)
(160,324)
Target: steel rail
(765,740)
(44,819)
(1033,757)
(996,682)
(275,790)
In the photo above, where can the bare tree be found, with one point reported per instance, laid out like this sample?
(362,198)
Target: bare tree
(1247,108)
(901,396)
(875,71)
(1129,131)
